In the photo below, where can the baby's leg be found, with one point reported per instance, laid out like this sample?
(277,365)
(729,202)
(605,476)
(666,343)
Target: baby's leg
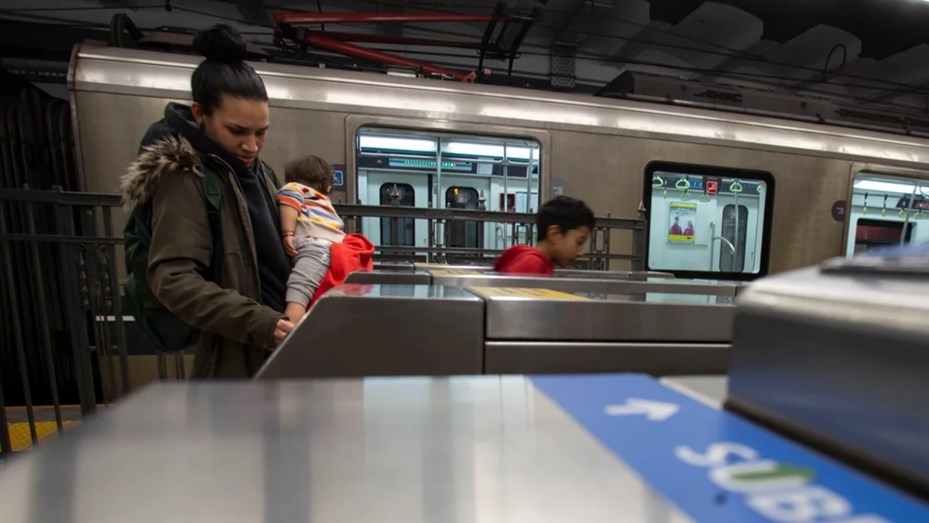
(310,267)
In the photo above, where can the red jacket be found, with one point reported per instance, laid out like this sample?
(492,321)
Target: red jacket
(522,259)
(354,253)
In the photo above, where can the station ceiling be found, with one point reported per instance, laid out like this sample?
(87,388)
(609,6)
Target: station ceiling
(873,51)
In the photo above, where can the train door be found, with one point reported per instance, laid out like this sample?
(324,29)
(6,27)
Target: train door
(733,233)
(397,231)
(403,189)
(886,210)
(462,233)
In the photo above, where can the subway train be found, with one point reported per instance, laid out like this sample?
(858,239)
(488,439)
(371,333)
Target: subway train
(727,195)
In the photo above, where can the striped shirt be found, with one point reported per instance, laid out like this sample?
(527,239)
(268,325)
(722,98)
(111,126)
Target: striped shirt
(316,217)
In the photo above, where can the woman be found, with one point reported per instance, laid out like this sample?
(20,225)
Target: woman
(223,131)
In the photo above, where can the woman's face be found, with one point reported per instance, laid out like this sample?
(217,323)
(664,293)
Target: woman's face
(238,125)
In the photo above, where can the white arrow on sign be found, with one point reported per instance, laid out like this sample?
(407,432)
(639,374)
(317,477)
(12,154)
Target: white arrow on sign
(653,410)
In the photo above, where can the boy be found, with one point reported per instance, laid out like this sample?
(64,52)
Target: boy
(564,224)
(309,226)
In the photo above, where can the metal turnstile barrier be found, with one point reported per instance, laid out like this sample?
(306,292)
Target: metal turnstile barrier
(361,330)
(836,356)
(472,324)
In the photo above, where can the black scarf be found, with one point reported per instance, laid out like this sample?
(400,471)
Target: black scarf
(273,263)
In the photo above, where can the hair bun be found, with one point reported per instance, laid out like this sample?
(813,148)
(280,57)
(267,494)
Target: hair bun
(221,43)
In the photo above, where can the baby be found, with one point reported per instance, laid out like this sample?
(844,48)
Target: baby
(309,226)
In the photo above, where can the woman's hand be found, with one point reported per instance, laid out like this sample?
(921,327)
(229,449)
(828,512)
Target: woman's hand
(283,327)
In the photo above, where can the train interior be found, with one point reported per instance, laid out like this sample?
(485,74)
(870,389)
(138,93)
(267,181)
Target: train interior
(712,222)
(459,172)
(887,211)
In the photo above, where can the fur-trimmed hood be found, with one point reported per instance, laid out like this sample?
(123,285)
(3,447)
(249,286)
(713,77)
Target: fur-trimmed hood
(170,154)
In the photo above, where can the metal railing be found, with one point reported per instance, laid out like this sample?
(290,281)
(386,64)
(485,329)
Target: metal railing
(65,341)
(439,246)
(58,278)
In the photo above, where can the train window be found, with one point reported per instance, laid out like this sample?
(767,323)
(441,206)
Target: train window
(870,234)
(887,210)
(708,222)
(490,172)
(401,194)
(462,233)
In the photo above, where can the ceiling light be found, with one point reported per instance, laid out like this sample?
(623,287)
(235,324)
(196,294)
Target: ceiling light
(887,187)
(396,144)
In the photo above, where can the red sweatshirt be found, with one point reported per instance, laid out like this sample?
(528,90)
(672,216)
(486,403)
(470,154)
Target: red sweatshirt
(522,259)
(354,253)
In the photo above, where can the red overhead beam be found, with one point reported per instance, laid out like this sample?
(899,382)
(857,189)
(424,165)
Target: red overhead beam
(322,42)
(287,28)
(349,18)
(390,39)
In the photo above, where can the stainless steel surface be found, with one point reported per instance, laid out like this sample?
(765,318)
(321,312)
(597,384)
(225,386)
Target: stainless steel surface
(464,276)
(390,277)
(587,285)
(377,330)
(690,318)
(430,267)
(839,361)
(659,359)
(393,266)
(611,275)
(709,389)
(404,450)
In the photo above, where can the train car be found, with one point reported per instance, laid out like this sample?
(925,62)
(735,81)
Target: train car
(727,195)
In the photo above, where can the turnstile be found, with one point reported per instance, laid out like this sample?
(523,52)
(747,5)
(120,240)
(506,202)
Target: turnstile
(360,330)
(838,356)
(544,331)
(540,449)
(375,329)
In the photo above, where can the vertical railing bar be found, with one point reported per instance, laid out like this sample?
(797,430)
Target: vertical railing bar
(5,446)
(17,331)
(117,302)
(100,340)
(162,366)
(43,317)
(182,372)
(430,243)
(179,365)
(66,255)
(82,340)
(103,344)
(604,261)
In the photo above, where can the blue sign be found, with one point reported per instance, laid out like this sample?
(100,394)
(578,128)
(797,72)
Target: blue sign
(338,178)
(717,467)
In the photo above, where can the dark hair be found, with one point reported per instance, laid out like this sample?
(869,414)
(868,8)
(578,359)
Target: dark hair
(223,71)
(311,171)
(567,213)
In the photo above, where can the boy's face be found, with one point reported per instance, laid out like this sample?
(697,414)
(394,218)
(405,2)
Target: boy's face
(567,246)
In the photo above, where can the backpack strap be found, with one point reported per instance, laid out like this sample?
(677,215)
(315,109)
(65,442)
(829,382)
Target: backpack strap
(213,190)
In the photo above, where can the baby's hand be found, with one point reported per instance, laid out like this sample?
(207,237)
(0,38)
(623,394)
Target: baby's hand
(289,245)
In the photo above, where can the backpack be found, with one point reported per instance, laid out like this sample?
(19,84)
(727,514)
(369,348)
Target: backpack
(165,330)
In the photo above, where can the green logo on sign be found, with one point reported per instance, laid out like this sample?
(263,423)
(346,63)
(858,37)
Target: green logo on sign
(779,473)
